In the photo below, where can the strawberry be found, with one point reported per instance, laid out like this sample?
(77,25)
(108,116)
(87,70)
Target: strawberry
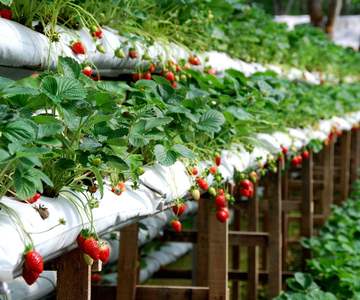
(96,78)
(294,161)
(217,158)
(176,225)
(198,179)
(84,234)
(247,192)
(284,150)
(253,176)
(218,178)
(87,71)
(5,13)
(132,54)
(246,184)
(195,193)
(119,53)
(89,261)
(33,199)
(299,158)
(117,191)
(34,262)
(174,85)
(78,48)
(91,248)
(211,71)
(100,48)
(212,191)
(220,191)
(193,171)
(151,68)
(355,127)
(170,76)
(220,201)
(147,76)
(306,154)
(95,278)
(212,170)
(187,66)
(104,252)
(178,210)
(221,216)
(261,164)
(29,276)
(137,76)
(122,186)
(146,56)
(203,185)
(226,210)
(194,60)
(96,32)
(183,78)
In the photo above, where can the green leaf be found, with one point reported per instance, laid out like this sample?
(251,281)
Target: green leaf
(196,93)
(44,177)
(155,122)
(147,83)
(161,80)
(19,90)
(165,91)
(6,2)
(49,129)
(49,141)
(62,88)
(3,156)
(165,157)
(69,67)
(91,144)
(117,161)
(24,188)
(5,82)
(305,280)
(64,164)
(41,119)
(238,112)
(19,132)
(7,115)
(211,121)
(264,86)
(184,151)
(99,182)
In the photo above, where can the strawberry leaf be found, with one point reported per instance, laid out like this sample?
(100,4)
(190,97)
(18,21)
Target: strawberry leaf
(184,151)
(211,121)
(165,157)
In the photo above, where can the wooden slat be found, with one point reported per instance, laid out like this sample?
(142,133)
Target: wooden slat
(96,266)
(73,277)
(274,252)
(286,205)
(328,173)
(236,255)
(317,219)
(248,239)
(171,293)
(186,236)
(218,259)
(355,156)
(127,263)
(307,205)
(298,183)
(345,166)
(253,251)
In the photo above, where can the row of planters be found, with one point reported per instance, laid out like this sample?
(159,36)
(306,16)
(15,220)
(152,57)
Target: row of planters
(333,272)
(244,31)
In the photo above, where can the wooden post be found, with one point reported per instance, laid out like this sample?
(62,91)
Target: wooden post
(355,156)
(327,198)
(127,263)
(275,267)
(307,208)
(218,259)
(253,252)
(73,276)
(345,166)
(236,255)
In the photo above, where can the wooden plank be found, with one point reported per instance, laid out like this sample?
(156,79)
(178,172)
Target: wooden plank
(96,266)
(328,172)
(128,263)
(218,259)
(285,233)
(307,211)
(317,219)
(188,236)
(355,156)
(248,239)
(253,251)
(286,205)
(202,240)
(73,277)
(171,293)
(274,248)
(298,183)
(236,255)
(345,167)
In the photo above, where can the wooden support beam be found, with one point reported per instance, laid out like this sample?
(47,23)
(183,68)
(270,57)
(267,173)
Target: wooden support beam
(355,156)
(253,251)
(328,175)
(274,248)
(298,183)
(73,276)
(286,205)
(345,166)
(307,204)
(128,263)
(236,254)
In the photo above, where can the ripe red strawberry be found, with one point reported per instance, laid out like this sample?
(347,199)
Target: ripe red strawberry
(203,185)
(284,150)
(217,158)
(211,71)
(299,158)
(178,210)
(170,76)
(212,170)
(246,184)
(220,191)
(34,262)
(220,201)
(221,216)
(137,76)
(306,154)
(247,192)
(95,278)
(253,176)
(132,54)
(78,48)
(193,171)
(226,210)
(91,248)
(87,71)
(194,60)
(147,76)
(96,78)
(198,179)
(152,67)
(104,252)
(294,161)
(195,193)
(355,127)
(5,13)
(99,33)
(176,225)
(116,190)
(29,276)
(33,199)
(174,85)
(83,235)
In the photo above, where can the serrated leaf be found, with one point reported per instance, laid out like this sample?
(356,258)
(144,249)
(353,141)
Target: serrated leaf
(155,122)
(184,151)
(49,129)
(154,135)
(19,132)
(238,112)
(144,82)
(211,121)
(24,188)
(61,88)
(196,93)
(178,109)
(3,156)
(40,119)
(91,144)
(165,91)
(7,115)
(5,82)
(138,129)
(49,141)
(64,164)
(19,90)
(161,80)
(69,67)
(264,86)
(118,161)
(191,117)
(165,157)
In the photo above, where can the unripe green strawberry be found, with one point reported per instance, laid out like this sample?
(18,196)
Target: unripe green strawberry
(100,48)
(96,162)
(183,78)
(195,193)
(227,196)
(119,53)
(212,191)
(142,170)
(177,78)
(88,259)
(146,56)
